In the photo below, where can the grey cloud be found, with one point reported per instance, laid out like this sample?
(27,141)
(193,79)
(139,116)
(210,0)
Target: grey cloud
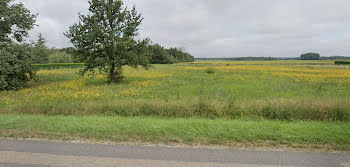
(221,28)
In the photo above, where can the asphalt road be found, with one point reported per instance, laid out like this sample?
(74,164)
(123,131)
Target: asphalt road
(16,153)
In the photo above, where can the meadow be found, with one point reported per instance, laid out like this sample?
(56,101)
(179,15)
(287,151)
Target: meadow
(277,90)
(298,104)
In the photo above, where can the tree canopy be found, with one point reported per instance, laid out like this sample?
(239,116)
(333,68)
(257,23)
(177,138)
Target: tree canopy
(106,38)
(40,52)
(159,55)
(15,21)
(310,56)
(180,54)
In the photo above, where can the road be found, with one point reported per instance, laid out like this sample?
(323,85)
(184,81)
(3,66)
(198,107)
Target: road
(17,153)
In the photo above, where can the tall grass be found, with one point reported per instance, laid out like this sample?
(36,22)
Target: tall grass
(277,109)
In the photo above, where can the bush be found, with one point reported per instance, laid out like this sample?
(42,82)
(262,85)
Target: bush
(210,70)
(60,57)
(15,66)
(342,62)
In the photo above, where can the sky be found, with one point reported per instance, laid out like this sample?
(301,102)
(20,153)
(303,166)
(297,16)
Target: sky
(220,28)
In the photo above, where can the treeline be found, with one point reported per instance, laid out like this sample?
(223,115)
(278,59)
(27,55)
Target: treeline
(241,58)
(272,58)
(335,58)
(316,56)
(41,54)
(160,55)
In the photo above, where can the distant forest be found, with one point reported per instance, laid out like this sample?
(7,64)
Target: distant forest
(157,54)
(270,58)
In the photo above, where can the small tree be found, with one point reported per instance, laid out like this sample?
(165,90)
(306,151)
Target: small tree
(106,38)
(40,52)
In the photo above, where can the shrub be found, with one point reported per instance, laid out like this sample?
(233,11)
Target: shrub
(210,70)
(15,66)
(342,62)
(60,57)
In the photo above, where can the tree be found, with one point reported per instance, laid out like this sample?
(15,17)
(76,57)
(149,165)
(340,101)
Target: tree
(180,55)
(68,50)
(40,51)
(159,55)
(15,66)
(60,57)
(106,38)
(15,21)
(15,61)
(72,52)
(310,56)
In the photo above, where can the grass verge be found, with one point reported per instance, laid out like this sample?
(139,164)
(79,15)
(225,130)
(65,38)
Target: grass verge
(254,133)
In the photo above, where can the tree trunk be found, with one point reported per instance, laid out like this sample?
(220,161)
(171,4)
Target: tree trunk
(115,73)
(112,72)
(119,74)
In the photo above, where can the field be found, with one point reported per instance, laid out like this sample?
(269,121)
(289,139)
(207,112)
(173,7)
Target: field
(282,93)
(284,90)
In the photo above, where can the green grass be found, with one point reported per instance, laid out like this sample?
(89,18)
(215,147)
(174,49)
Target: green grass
(275,90)
(254,133)
(298,104)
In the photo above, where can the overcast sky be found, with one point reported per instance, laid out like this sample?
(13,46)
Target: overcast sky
(221,28)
